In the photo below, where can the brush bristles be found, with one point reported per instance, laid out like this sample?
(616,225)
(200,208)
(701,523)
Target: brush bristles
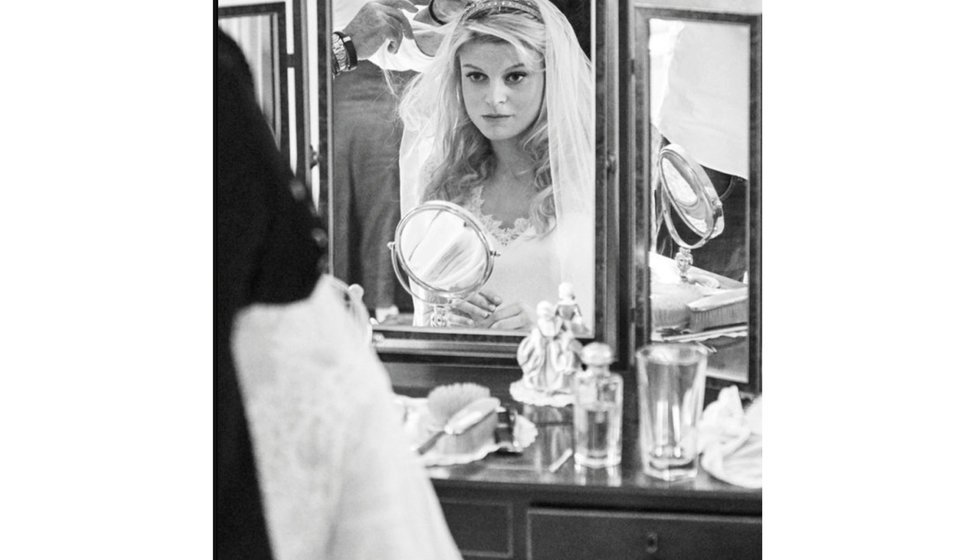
(446,400)
(731,314)
(473,440)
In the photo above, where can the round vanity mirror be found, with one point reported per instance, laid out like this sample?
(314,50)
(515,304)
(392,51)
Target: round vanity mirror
(445,253)
(690,207)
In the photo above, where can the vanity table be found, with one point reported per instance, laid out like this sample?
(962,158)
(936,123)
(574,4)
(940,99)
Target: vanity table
(514,507)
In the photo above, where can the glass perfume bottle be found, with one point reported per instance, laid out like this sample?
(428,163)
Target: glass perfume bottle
(598,414)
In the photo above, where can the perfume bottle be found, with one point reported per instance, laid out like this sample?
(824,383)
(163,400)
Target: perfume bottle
(598,414)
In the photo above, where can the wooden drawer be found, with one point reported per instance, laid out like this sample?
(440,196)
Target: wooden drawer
(563,534)
(481,529)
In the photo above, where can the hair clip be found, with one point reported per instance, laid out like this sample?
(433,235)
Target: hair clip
(432,14)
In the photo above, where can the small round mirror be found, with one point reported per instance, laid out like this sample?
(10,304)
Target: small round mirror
(446,254)
(690,207)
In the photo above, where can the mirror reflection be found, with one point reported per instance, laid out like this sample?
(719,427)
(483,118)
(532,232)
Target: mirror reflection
(441,249)
(493,112)
(257,36)
(699,87)
(447,257)
(690,195)
(699,99)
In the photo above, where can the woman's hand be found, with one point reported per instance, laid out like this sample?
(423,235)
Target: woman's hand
(511,317)
(484,310)
(479,307)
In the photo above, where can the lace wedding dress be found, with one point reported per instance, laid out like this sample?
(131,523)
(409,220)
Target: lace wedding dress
(338,478)
(527,270)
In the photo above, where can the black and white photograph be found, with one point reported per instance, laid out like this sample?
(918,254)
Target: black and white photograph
(488,279)
(491,289)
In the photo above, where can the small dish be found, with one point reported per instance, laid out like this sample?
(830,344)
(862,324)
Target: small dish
(417,425)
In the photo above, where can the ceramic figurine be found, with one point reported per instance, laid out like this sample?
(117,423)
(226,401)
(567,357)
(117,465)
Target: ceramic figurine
(568,310)
(549,356)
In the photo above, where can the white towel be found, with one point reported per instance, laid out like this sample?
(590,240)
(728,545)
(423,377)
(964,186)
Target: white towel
(730,440)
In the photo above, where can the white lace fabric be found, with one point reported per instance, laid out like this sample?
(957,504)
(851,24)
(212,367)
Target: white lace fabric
(501,234)
(337,475)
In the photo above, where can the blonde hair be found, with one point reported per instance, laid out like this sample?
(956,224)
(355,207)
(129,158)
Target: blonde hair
(468,156)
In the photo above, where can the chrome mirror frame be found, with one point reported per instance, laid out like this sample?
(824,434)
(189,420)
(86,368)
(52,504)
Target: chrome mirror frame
(430,293)
(704,193)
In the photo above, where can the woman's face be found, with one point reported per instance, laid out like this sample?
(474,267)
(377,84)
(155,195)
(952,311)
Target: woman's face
(502,95)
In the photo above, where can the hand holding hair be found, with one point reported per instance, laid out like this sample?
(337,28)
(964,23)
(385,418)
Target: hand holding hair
(377,22)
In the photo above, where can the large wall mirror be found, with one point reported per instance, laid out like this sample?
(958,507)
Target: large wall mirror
(550,212)
(697,120)
(269,34)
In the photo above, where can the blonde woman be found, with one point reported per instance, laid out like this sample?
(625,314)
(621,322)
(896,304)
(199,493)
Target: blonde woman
(501,123)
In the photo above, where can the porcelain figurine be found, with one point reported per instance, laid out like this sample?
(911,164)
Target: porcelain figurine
(549,356)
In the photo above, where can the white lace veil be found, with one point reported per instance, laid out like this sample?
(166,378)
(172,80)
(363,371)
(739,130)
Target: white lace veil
(570,99)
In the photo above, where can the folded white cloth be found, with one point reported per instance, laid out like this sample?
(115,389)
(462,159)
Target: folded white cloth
(730,440)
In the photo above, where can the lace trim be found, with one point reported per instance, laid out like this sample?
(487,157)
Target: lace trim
(503,235)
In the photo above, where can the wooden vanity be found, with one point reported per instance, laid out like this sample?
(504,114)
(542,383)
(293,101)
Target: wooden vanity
(513,507)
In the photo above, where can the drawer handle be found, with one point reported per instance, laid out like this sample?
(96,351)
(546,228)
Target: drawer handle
(653,543)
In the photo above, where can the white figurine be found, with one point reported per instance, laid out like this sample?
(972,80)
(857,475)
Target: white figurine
(568,310)
(549,356)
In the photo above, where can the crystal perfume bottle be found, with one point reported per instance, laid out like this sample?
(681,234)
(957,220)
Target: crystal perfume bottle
(598,414)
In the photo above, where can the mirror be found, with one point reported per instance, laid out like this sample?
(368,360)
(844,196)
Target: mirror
(698,124)
(684,299)
(364,197)
(446,254)
(687,193)
(273,52)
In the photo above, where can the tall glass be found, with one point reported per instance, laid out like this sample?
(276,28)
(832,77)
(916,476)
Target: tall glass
(671,380)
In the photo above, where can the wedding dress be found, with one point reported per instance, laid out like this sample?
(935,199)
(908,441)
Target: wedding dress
(337,475)
(530,267)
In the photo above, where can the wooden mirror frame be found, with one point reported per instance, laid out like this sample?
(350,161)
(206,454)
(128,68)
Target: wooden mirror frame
(417,344)
(636,37)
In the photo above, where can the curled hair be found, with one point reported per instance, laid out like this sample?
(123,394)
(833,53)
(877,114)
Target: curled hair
(434,100)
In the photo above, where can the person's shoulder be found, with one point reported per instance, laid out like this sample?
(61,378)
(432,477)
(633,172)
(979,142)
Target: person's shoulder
(229,58)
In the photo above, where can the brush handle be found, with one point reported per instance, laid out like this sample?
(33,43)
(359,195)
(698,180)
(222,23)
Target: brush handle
(427,445)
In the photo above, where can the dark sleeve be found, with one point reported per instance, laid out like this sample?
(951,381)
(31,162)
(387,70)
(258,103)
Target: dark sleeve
(265,251)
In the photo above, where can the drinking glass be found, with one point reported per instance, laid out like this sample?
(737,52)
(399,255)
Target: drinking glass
(670,380)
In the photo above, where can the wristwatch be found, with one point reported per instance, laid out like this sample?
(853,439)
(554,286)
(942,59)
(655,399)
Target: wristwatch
(344,57)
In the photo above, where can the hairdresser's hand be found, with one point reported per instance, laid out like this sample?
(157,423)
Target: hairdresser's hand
(378,22)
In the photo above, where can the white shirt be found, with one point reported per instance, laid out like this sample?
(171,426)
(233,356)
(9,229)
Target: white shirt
(706,98)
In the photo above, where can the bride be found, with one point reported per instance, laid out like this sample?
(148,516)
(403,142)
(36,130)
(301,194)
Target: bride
(501,123)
